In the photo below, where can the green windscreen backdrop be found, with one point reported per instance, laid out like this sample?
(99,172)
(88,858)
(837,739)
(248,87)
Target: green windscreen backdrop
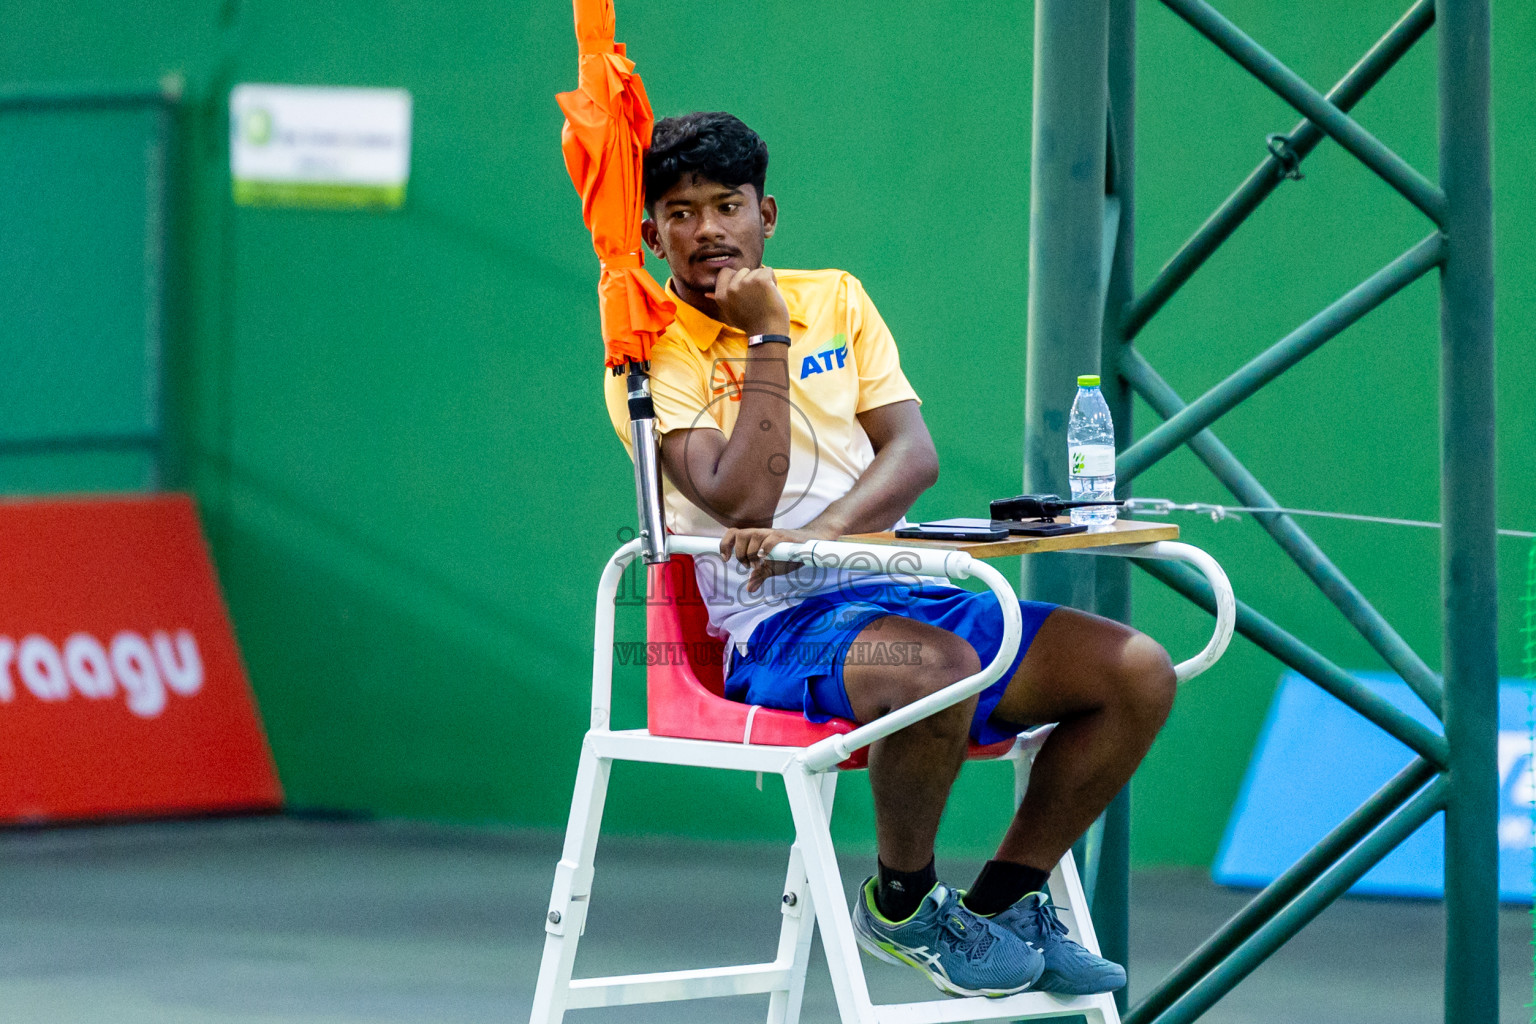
(81,201)
(393,424)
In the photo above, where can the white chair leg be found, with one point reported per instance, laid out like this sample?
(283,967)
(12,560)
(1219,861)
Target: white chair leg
(1066,884)
(795,934)
(1067,893)
(567,915)
(1102,1012)
(815,883)
(809,807)
(1023,761)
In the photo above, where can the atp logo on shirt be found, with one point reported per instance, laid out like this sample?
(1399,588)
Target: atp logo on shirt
(830,356)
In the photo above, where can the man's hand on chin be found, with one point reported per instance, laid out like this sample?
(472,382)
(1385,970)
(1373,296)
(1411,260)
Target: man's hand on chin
(750,301)
(750,546)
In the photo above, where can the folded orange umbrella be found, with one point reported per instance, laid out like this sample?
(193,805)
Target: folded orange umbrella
(608,125)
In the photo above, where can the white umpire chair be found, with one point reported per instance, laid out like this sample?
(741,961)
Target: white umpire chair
(690,722)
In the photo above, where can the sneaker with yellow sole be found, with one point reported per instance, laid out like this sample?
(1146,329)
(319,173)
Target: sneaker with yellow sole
(961,953)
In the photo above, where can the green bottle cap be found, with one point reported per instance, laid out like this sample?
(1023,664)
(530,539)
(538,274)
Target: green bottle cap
(1088,381)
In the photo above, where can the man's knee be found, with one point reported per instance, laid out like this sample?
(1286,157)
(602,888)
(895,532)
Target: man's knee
(944,661)
(1145,681)
(937,662)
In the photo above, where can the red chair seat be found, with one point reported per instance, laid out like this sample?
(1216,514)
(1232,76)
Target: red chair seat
(685,684)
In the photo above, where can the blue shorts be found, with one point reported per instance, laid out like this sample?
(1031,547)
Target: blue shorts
(795,658)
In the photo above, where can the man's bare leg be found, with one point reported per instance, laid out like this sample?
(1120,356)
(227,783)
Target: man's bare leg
(911,772)
(906,916)
(1109,689)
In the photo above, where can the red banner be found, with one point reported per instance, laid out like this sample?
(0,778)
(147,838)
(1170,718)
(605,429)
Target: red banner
(121,688)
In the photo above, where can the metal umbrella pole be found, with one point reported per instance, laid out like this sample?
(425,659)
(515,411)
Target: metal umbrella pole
(608,123)
(642,435)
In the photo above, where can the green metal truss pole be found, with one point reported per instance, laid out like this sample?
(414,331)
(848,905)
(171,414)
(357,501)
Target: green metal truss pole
(1467,488)
(1461,765)
(1068,234)
(1120,257)
(1294,654)
(1302,549)
(1112,585)
(1066,223)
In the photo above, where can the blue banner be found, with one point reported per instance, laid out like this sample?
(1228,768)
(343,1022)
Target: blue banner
(1317,760)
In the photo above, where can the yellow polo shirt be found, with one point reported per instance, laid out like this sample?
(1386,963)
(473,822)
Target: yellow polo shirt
(842,362)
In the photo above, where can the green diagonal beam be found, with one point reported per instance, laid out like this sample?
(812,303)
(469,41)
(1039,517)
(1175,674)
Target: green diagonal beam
(1292,88)
(1293,540)
(1261,184)
(133,441)
(1312,901)
(1366,818)
(1295,654)
(1279,357)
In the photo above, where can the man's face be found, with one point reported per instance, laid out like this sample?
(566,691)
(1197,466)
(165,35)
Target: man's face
(700,227)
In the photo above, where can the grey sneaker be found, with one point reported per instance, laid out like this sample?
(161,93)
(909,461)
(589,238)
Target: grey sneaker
(1069,968)
(961,953)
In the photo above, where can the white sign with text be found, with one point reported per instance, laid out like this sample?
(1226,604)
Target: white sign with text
(296,145)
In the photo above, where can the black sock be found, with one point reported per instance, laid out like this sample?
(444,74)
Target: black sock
(1002,884)
(899,893)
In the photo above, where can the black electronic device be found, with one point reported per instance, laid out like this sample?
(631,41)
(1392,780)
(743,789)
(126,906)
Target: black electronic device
(975,530)
(1039,527)
(1039,506)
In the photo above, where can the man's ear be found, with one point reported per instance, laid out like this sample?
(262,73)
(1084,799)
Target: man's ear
(652,238)
(768,208)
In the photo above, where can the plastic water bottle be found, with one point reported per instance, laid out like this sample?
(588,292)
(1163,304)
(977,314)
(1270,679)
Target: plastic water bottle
(1091,454)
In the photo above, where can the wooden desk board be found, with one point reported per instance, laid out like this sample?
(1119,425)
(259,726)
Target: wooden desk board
(1123,531)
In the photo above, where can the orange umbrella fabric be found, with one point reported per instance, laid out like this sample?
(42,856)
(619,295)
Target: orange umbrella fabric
(608,125)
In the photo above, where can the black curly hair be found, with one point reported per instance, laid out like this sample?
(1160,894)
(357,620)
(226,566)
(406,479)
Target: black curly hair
(714,145)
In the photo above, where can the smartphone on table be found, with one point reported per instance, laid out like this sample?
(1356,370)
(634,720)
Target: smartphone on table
(974,530)
(981,530)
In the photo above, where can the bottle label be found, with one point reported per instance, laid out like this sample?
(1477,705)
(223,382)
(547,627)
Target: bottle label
(1092,459)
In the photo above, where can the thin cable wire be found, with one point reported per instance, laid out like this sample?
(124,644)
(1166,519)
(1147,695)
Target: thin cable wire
(1163,506)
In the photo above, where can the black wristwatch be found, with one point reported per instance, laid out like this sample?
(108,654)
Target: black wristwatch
(762,339)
